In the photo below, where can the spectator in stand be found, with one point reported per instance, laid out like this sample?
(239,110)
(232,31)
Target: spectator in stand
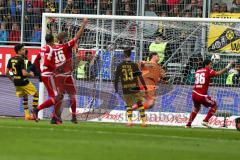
(36,35)
(4,11)
(29,19)
(127,9)
(188,13)
(3,33)
(174,12)
(172,3)
(164,14)
(123,5)
(14,33)
(216,8)
(193,7)
(152,7)
(15,10)
(160,6)
(89,7)
(70,7)
(199,13)
(200,4)
(52,5)
(38,7)
(223,8)
(235,6)
(108,12)
(104,6)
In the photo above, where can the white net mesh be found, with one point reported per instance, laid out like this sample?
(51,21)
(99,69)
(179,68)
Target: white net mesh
(183,44)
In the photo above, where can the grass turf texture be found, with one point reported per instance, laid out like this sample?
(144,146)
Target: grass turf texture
(27,140)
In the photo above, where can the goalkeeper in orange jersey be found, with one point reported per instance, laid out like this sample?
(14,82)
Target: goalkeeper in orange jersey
(152,73)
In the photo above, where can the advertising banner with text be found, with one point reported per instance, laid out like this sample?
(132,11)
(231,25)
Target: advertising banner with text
(224,37)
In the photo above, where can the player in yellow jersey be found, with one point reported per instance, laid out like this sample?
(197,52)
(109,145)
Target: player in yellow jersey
(23,86)
(125,72)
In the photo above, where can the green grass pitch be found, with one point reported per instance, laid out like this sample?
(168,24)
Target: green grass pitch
(27,140)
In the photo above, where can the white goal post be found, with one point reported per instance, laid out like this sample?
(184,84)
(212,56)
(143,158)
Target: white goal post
(185,36)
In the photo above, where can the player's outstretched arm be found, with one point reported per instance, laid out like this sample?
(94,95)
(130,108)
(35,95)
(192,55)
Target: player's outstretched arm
(225,69)
(81,30)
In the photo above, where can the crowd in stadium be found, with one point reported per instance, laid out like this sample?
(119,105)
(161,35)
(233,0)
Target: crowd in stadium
(11,12)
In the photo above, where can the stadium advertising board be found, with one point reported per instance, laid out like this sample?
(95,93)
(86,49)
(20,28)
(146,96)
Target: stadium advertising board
(224,37)
(171,108)
(7,52)
(166,118)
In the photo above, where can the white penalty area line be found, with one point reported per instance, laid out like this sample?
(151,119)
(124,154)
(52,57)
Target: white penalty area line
(119,133)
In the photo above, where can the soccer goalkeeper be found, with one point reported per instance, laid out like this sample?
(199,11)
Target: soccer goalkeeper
(125,71)
(152,73)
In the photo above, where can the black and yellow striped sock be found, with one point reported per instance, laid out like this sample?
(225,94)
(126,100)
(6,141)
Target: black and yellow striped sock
(25,106)
(142,113)
(35,101)
(129,113)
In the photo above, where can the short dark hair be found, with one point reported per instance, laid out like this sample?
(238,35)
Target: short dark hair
(152,54)
(18,47)
(49,38)
(206,62)
(127,52)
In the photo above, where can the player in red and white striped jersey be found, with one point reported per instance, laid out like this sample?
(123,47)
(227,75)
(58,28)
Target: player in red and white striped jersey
(47,54)
(200,96)
(63,74)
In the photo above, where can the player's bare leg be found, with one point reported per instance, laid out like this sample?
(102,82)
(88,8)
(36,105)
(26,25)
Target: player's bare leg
(193,115)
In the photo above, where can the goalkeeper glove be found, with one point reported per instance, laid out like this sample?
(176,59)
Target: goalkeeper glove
(229,65)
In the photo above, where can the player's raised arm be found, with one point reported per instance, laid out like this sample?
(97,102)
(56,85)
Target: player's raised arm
(225,69)
(81,30)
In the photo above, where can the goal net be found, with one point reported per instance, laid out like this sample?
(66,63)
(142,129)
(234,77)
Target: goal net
(183,44)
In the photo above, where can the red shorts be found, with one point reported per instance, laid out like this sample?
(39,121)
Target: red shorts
(65,84)
(199,99)
(49,83)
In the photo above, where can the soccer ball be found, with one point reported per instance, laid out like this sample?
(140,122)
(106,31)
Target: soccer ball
(215,58)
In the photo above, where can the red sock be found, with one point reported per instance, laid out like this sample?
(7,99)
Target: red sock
(192,117)
(211,112)
(57,107)
(49,102)
(73,104)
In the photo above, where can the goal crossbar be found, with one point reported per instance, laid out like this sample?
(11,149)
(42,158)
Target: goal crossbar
(145,18)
